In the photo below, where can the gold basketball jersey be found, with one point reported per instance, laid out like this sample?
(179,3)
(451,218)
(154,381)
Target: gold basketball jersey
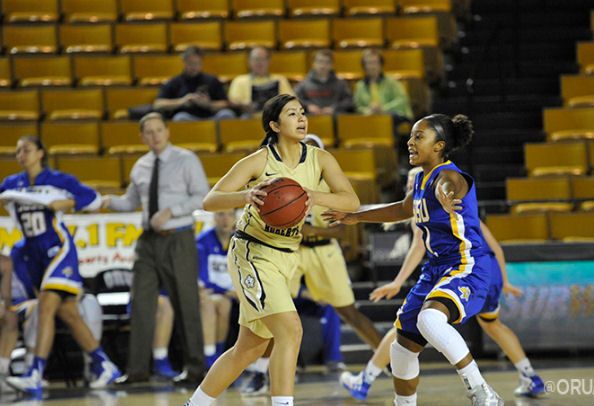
(315,215)
(307,173)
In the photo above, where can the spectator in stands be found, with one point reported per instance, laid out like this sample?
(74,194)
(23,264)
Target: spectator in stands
(249,92)
(216,286)
(193,94)
(381,94)
(321,91)
(169,182)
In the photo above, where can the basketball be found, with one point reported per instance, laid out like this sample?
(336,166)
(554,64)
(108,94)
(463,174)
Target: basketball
(284,205)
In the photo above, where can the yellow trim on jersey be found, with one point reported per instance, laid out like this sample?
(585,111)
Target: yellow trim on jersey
(426,177)
(397,322)
(65,288)
(489,316)
(441,293)
(57,258)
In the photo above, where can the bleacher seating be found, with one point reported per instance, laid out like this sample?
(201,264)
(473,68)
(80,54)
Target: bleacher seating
(30,11)
(71,138)
(89,11)
(563,158)
(76,38)
(30,71)
(10,134)
(79,104)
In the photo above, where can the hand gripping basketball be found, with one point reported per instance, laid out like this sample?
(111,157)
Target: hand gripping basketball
(285,203)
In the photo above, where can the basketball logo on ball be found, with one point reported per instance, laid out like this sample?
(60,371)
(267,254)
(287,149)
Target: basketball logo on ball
(284,205)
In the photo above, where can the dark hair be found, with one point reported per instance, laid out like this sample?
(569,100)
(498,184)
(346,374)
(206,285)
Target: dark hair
(34,139)
(455,132)
(325,53)
(371,52)
(271,112)
(192,50)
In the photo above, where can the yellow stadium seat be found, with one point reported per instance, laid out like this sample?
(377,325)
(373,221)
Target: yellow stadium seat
(404,63)
(73,104)
(118,100)
(134,38)
(197,136)
(527,228)
(538,189)
(258,8)
(359,130)
(19,105)
(10,134)
(85,169)
(195,9)
(30,39)
(300,8)
(541,207)
(225,65)
(240,135)
(90,11)
(250,34)
(217,165)
(154,70)
(585,57)
(424,6)
(146,10)
(297,33)
(419,94)
(9,167)
(86,38)
(206,35)
(577,226)
(582,187)
(359,166)
(358,32)
(31,11)
(567,124)
(323,127)
(564,158)
(292,65)
(103,71)
(42,71)
(347,64)
(591,154)
(71,138)
(417,32)
(577,91)
(122,137)
(128,162)
(361,7)
(587,206)
(5,73)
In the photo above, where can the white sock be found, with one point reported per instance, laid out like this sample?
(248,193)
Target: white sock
(434,326)
(524,367)
(199,398)
(401,400)
(160,353)
(210,350)
(261,365)
(371,372)
(471,376)
(4,366)
(282,400)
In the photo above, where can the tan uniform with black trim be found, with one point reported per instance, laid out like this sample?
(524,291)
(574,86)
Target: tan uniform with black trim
(262,271)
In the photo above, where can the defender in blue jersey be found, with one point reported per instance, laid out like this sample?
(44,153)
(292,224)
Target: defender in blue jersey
(454,283)
(215,283)
(36,199)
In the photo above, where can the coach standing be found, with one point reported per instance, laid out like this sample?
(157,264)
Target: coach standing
(169,182)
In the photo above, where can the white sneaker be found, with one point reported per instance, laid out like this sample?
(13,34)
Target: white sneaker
(108,373)
(355,384)
(484,395)
(26,383)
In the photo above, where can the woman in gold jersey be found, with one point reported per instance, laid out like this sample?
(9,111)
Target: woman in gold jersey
(262,259)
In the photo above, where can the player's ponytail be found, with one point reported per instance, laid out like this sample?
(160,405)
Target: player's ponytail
(33,139)
(456,132)
(271,112)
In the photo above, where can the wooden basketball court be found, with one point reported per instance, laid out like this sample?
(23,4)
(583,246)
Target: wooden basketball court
(439,386)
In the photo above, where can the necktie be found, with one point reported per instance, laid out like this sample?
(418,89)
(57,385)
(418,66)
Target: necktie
(154,190)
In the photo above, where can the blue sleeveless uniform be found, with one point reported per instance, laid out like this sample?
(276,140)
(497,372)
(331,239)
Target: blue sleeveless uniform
(490,310)
(212,262)
(49,251)
(459,265)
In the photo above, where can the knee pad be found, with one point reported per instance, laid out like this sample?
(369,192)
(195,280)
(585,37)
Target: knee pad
(30,328)
(404,362)
(91,314)
(434,326)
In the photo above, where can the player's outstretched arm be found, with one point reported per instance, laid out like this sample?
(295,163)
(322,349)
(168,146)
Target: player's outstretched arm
(227,193)
(390,212)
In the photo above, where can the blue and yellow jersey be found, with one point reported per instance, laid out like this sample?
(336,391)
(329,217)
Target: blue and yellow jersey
(449,238)
(36,221)
(212,262)
(307,173)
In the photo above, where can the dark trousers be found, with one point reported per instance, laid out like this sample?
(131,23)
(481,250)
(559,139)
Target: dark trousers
(171,261)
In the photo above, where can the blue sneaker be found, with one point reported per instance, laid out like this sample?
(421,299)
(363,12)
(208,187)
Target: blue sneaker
(355,384)
(530,386)
(28,383)
(106,372)
(163,369)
